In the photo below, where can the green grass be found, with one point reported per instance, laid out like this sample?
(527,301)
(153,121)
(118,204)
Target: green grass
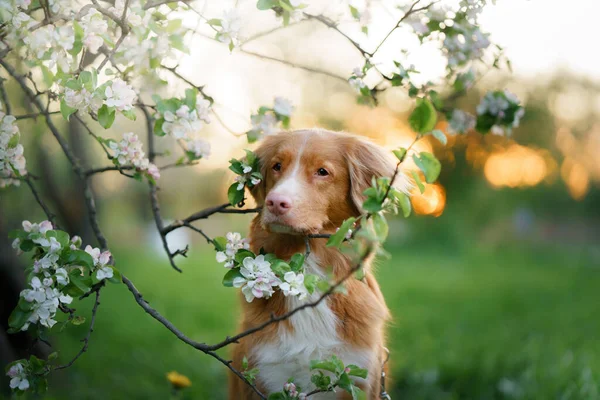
(478,325)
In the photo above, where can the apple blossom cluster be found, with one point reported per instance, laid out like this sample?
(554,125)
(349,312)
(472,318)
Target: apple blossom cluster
(152,38)
(248,174)
(129,152)
(228,27)
(60,272)
(234,243)
(182,119)
(463,41)
(259,275)
(12,161)
(499,112)
(290,389)
(356,80)
(257,279)
(461,122)
(265,121)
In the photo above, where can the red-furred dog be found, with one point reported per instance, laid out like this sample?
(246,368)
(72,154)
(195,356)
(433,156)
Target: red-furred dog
(313,180)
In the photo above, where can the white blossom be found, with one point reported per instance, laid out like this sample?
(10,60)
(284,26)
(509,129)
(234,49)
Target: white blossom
(294,285)
(129,152)
(265,124)
(94,26)
(82,100)
(231,24)
(18,377)
(203,109)
(119,95)
(283,106)
(235,242)
(104,273)
(200,148)
(461,122)
(258,280)
(12,160)
(357,83)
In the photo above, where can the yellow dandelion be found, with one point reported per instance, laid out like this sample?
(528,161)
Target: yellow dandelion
(178,381)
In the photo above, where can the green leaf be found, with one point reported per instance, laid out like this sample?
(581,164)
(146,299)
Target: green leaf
(236,166)
(79,284)
(439,135)
(424,117)
(321,381)
(310,282)
(418,181)
(245,363)
(79,257)
(190,98)
(158,130)
(117,277)
(297,261)
(78,320)
(47,75)
(242,254)
(405,205)
(400,153)
(214,22)
(230,276)
(356,371)
(430,165)
(380,226)
(65,110)
(14,140)
(372,205)
(60,236)
(234,195)
(220,243)
(354,12)
(18,318)
(129,114)
(106,116)
(280,267)
(325,365)
(338,238)
(277,396)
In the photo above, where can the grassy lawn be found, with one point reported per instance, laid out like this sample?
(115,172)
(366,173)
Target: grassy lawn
(478,325)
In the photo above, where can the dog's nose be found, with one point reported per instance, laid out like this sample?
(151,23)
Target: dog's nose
(278,204)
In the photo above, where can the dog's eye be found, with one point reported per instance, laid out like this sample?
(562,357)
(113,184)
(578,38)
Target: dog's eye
(277,167)
(322,172)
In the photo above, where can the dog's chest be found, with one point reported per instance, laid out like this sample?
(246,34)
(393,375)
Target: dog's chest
(313,336)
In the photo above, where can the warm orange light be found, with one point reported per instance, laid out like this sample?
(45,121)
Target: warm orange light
(516,166)
(431,202)
(576,177)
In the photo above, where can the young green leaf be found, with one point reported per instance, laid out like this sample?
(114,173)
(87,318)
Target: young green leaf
(418,181)
(430,165)
(338,238)
(234,195)
(106,116)
(424,117)
(230,276)
(439,135)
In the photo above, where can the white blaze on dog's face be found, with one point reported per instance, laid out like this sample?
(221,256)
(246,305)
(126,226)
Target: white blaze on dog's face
(314,179)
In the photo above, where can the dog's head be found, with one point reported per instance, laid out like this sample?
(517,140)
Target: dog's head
(315,179)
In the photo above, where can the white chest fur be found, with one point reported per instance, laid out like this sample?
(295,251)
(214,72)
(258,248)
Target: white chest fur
(314,335)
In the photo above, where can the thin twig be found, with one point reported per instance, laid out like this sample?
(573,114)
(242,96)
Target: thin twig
(86,340)
(221,209)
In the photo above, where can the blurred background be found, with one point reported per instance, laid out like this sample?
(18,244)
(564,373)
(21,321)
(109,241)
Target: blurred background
(493,284)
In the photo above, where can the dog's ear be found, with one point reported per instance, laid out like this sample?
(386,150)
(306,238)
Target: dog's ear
(367,160)
(265,153)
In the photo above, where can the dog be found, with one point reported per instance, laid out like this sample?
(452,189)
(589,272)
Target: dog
(312,181)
